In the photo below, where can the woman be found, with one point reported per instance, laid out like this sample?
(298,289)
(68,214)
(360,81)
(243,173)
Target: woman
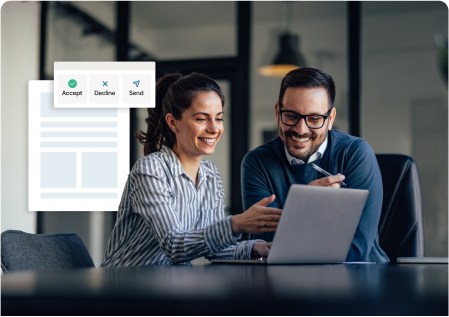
(172,207)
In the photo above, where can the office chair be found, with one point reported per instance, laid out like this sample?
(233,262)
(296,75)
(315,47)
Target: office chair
(23,251)
(401,225)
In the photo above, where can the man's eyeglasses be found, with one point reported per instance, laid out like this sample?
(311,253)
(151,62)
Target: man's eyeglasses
(313,121)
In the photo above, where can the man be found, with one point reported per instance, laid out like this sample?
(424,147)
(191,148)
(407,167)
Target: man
(305,114)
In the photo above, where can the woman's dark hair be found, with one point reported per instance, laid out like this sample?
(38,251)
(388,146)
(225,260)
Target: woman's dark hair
(308,78)
(174,94)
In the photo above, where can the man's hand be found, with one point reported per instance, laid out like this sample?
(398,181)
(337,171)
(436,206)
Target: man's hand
(261,249)
(257,219)
(329,181)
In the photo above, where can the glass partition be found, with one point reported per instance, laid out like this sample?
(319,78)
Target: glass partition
(405,99)
(175,30)
(70,38)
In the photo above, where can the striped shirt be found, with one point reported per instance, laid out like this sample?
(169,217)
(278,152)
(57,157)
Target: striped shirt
(164,219)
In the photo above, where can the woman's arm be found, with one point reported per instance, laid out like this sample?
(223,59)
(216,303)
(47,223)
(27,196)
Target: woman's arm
(151,198)
(244,250)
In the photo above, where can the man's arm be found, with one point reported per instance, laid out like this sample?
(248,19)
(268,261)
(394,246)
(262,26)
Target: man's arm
(361,171)
(255,187)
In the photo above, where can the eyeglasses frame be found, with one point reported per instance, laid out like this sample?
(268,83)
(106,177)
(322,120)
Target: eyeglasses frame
(304,116)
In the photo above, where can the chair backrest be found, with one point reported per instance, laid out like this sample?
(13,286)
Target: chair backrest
(23,251)
(401,225)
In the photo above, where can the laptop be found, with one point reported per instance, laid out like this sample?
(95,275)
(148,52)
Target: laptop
(317,226)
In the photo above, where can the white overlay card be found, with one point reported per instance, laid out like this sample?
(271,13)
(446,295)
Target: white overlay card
(78,159)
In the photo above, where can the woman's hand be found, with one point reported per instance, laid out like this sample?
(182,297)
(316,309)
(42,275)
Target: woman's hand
(261,249)
(257,219)
(329,181)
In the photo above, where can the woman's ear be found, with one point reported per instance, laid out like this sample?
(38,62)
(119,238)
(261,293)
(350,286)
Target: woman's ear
(171,121)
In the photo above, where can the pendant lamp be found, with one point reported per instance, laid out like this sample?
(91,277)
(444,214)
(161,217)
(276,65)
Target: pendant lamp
(288,56)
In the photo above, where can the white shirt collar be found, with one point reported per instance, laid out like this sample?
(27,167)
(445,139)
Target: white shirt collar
(315,156)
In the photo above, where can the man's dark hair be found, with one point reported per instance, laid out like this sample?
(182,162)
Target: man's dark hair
(308,78)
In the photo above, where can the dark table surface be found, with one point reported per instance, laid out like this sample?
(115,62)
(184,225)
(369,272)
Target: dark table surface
(219,289)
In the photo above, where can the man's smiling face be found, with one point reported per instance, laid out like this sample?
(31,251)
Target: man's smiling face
(301,141)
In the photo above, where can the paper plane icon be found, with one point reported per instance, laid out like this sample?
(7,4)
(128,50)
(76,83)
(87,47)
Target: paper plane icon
(137,82)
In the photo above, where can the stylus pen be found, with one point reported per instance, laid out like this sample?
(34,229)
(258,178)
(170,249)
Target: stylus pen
(319,169)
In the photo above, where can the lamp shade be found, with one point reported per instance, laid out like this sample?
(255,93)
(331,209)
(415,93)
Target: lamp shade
(287,59)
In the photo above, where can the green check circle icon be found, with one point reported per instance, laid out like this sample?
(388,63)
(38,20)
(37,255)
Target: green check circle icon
(72,83)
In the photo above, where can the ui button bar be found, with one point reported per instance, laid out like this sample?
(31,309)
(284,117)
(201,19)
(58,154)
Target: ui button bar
(105,85)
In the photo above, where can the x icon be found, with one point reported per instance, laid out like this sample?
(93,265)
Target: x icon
(105,83)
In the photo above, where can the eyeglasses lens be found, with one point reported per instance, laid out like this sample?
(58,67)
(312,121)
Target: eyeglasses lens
(311,121)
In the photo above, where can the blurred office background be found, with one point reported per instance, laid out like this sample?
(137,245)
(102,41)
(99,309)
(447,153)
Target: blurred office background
(403,90)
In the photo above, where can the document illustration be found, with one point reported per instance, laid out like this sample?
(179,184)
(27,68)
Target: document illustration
(78,159)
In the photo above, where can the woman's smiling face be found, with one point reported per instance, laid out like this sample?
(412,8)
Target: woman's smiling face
(201,125)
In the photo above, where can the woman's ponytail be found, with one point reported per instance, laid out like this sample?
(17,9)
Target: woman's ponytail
(157,129)
(174,94)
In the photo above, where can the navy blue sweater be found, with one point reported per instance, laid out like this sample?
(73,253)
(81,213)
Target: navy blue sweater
(266,171)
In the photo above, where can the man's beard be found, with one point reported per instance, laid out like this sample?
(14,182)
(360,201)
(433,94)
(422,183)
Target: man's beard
(304,156)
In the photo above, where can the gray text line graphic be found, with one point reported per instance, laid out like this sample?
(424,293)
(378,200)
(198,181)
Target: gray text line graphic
(79,134)
(78,144)
(78,124)
(78,195)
